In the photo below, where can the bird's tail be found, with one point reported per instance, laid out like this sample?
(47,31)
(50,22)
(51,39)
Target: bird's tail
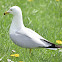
(54,47)
(51,46)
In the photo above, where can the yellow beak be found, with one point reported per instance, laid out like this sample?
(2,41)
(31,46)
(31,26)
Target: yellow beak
(6,13)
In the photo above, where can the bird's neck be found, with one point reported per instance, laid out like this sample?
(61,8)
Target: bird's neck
(17,23)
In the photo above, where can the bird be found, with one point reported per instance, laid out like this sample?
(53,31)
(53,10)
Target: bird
(23,36)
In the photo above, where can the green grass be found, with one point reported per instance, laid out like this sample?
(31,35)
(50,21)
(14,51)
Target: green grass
(43,16)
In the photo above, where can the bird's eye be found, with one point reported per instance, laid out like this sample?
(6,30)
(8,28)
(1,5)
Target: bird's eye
(11,9)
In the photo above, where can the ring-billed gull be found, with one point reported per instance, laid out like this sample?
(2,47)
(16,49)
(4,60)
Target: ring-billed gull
(23,36)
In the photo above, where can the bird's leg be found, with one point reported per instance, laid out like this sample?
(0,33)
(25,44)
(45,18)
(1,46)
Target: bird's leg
(30,50)
(26,48)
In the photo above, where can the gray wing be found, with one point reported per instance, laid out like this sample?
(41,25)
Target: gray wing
(33,38)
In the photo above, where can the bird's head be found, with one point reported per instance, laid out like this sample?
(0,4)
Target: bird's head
(13,10)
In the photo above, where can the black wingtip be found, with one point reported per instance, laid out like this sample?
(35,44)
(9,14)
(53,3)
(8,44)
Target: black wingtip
(54,46)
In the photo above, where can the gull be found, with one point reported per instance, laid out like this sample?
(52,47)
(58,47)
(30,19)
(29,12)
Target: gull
(23,36)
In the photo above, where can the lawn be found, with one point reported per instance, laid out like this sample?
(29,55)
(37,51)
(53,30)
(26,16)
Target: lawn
(44,17)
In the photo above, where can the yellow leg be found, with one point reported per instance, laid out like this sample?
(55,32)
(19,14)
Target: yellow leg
(30,51)
(26,48)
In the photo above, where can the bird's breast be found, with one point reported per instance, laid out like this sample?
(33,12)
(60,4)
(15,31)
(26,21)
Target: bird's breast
(17,39)
(23,41)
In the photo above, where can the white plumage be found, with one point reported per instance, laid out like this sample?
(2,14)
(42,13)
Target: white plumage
(23,36)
